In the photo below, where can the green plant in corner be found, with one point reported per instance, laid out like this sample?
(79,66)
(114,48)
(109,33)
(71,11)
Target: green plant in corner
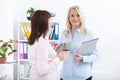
(30,11)
(6,48)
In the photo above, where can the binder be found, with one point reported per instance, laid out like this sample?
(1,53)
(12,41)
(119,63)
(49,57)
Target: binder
(26,70)
(51,32)
(21,71)
(56,34)
(26,29)
(25,50)
(21,50)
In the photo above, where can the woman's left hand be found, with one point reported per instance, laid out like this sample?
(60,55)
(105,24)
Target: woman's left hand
(78,57)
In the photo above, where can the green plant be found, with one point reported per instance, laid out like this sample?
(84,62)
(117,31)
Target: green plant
(30,11)
(6,48)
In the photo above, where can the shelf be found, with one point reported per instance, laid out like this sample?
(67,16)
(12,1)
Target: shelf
(22,40)
(24,78)
(23,60)
(53,41)
(11,62)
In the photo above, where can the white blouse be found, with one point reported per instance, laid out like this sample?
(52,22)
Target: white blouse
(43,61)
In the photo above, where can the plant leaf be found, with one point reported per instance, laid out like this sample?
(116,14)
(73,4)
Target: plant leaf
(10,46)
(14,50)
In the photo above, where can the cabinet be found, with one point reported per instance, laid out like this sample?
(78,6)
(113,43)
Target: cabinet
(22,69)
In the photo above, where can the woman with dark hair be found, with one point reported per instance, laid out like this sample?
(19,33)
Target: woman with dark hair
(42,57)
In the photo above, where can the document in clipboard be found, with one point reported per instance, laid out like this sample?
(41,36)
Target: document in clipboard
(88,47)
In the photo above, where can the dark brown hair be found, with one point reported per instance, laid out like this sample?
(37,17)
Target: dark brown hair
(39,25)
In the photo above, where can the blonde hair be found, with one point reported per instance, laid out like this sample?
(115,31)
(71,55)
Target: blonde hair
(82,19)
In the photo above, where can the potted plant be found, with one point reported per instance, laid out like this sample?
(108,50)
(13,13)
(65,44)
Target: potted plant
(30,12)
(6,49)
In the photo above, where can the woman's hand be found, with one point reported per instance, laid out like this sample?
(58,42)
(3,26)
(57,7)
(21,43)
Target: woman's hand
(61,55)
(78,57)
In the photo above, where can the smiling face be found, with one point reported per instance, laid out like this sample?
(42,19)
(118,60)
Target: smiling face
(74,18)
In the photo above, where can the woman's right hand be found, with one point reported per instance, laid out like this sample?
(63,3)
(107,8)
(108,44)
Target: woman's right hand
(61,55)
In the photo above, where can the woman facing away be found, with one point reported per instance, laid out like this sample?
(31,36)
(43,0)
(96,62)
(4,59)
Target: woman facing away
(42,57)
(77,67)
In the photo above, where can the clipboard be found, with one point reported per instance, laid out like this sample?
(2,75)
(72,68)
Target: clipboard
(88,47)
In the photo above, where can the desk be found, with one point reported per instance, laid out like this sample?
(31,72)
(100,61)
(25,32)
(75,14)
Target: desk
(6,70)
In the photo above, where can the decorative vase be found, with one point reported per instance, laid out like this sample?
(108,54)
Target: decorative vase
(29,18)
(2,60)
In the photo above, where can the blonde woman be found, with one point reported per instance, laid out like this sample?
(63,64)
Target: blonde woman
(77,67)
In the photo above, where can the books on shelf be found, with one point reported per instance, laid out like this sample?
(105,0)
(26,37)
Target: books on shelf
(56,33)
(25,26)
(23,50)
(53,33)
(21,71)
(24,70)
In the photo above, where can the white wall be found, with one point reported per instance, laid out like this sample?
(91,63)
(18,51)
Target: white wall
(6,28)
(2,17)
(102,18)
(6,33)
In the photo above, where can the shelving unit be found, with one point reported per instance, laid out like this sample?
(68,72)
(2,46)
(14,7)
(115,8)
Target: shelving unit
(22,68)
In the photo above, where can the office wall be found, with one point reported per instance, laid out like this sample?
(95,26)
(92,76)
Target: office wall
(102,18)
(2,17)
(6,33)
(6,21)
